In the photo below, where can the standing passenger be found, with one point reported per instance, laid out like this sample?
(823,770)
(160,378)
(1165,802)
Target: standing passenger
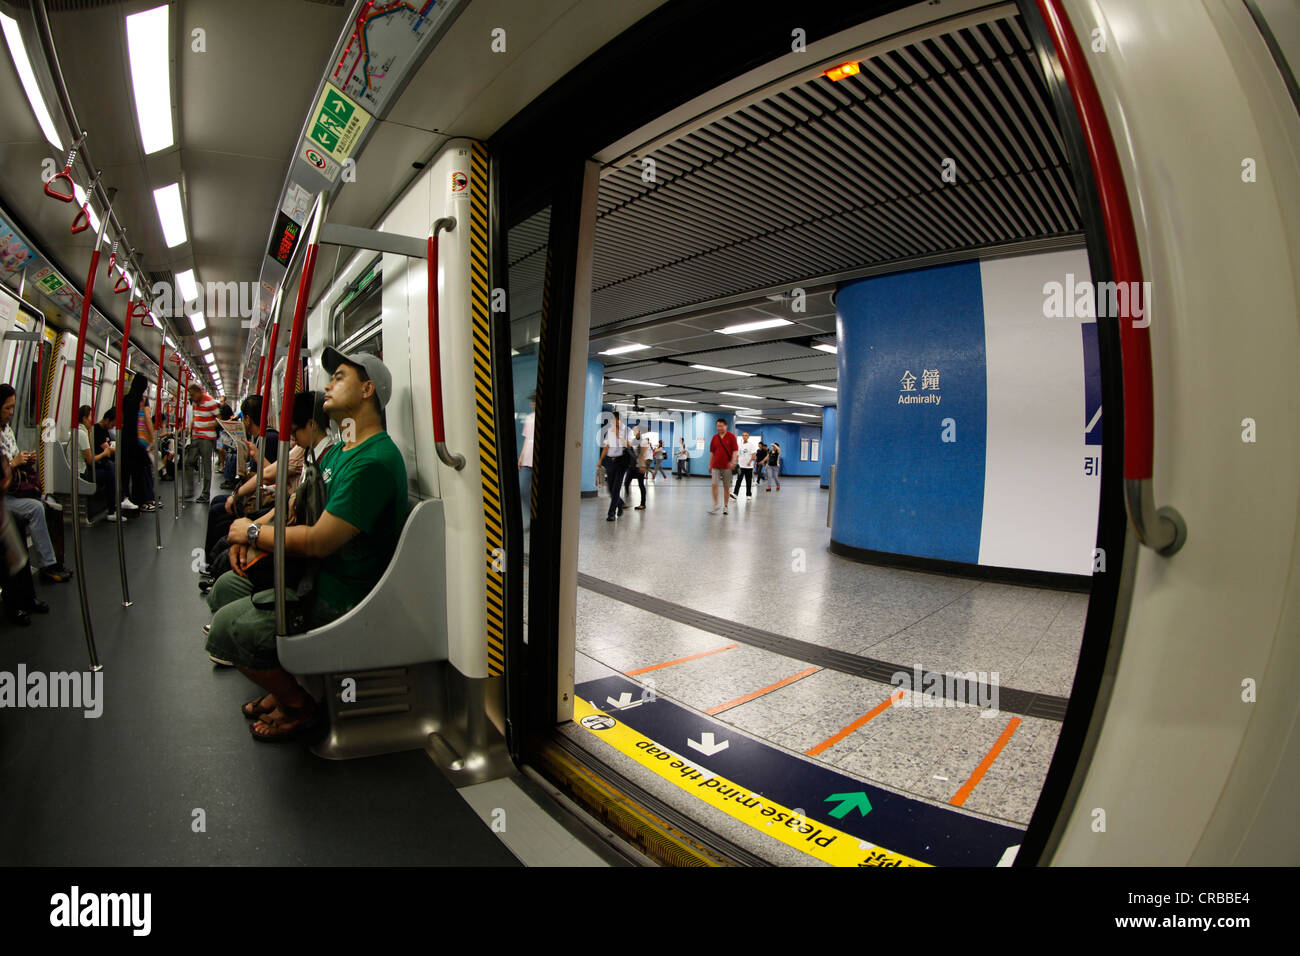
(613,457)
(774,466)
(660,454)
(637,469)
(745,457)
(723,451)
(205,437)
(526,461)
(683,460)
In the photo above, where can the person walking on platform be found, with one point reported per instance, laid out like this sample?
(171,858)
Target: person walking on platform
(660,453)
(205,437)
(774,466)
(760,460)
(683,460)
(723,452)
(614,446)
(637,467)
(745,458)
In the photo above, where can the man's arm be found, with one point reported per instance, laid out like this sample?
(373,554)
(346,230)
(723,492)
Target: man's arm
(317,541)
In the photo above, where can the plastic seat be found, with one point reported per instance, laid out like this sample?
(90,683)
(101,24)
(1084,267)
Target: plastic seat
(389,647)
(61,474)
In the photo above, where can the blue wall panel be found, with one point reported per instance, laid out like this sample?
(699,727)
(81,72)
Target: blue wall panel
(900,488)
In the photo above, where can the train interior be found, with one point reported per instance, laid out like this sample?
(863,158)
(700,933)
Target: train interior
(894,648)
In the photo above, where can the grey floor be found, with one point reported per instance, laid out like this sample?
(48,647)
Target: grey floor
(766,565)
(169,775)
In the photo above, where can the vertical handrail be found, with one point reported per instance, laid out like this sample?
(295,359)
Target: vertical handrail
(118,451)
(73,407)
(1162,530)
(446,456)
(157,421)
(286,410)
(264,389)
(177,462)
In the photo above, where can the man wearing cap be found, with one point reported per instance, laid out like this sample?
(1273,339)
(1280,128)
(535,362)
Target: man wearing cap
(354,540)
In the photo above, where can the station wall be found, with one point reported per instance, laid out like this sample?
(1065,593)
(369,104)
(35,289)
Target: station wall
(969,417)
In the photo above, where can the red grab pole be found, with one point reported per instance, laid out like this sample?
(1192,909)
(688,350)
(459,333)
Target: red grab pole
(445,455)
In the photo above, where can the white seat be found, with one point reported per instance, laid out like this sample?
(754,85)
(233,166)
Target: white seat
(61,473)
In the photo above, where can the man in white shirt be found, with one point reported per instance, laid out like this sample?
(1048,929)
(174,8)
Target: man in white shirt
(683,460)
(614,443)
(745,460)
(526,461)
(641,446)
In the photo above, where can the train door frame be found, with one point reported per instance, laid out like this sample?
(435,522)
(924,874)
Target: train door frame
(581,114)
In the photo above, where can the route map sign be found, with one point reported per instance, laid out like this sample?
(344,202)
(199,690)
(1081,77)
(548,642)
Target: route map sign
(385,40)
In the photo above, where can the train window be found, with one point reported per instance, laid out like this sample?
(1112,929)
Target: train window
(359,305)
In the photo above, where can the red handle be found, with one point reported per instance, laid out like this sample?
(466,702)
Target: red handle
(82,214)
(1121,237)
(435,342)
(112,257)
(74,406)
(264,385)
(69,196)
(295,336)
(122,283)
(121,364)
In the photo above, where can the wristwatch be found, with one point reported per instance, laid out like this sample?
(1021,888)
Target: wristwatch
(253,530)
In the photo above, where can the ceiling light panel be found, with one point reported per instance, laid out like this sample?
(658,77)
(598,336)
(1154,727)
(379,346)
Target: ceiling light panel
(148,45)
(18,52)
(189,288)
(754,326)
(621,349)
(724,371)
(170,214)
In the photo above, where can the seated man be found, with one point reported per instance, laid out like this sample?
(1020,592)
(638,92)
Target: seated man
(354,540)
(98,467)
(310,430)
(29,512)
(221,509)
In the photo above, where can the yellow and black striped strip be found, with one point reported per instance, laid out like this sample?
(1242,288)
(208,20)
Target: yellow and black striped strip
(480,294)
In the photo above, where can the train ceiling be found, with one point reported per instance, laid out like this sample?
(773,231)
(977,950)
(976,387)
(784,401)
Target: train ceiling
(816,181)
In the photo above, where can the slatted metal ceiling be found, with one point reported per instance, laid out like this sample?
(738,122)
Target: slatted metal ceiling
(829,177)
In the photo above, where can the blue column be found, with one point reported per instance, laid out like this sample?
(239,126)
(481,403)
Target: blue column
(591,418)
(912,409)
(829,416)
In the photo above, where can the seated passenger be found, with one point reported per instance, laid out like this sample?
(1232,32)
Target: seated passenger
(354,540)
(98,466)
(221,512)
(310,430)
(29,512)
(15,572)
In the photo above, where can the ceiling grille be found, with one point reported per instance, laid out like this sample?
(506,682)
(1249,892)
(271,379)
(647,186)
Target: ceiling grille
(826,177)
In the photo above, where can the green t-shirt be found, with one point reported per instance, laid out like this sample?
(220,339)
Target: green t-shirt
(366,487)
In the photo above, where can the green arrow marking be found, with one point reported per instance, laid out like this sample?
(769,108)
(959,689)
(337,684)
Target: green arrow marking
(849,801)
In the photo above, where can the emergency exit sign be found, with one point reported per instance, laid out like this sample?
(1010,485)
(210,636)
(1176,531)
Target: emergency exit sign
(337,123)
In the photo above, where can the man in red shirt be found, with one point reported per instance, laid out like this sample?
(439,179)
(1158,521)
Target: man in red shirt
(723,450)
(205,436)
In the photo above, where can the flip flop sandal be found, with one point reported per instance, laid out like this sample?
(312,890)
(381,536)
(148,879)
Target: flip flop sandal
(257,710)
(305,726)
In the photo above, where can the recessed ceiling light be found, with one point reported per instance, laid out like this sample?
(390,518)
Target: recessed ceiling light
(620,349)
(791,401)
(824,388)
(827,348)
(205,344)
(739,408)
(676,401)
(754,326)
(804,415)
(170,214)
(198,322)
(724,371)
(632,381)
(741,395)
(189,288)
(14,37)
(148,45)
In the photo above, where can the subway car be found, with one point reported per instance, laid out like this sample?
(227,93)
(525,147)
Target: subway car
(834,434)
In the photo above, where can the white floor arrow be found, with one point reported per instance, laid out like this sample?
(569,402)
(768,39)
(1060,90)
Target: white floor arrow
(706,746)
(624,701)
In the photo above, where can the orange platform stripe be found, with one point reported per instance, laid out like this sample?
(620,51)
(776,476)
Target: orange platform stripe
(753,695)
(960,796)
(680,660)
(839,735)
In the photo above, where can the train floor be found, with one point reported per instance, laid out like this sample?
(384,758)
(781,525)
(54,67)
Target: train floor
(168,773)
(769,660)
